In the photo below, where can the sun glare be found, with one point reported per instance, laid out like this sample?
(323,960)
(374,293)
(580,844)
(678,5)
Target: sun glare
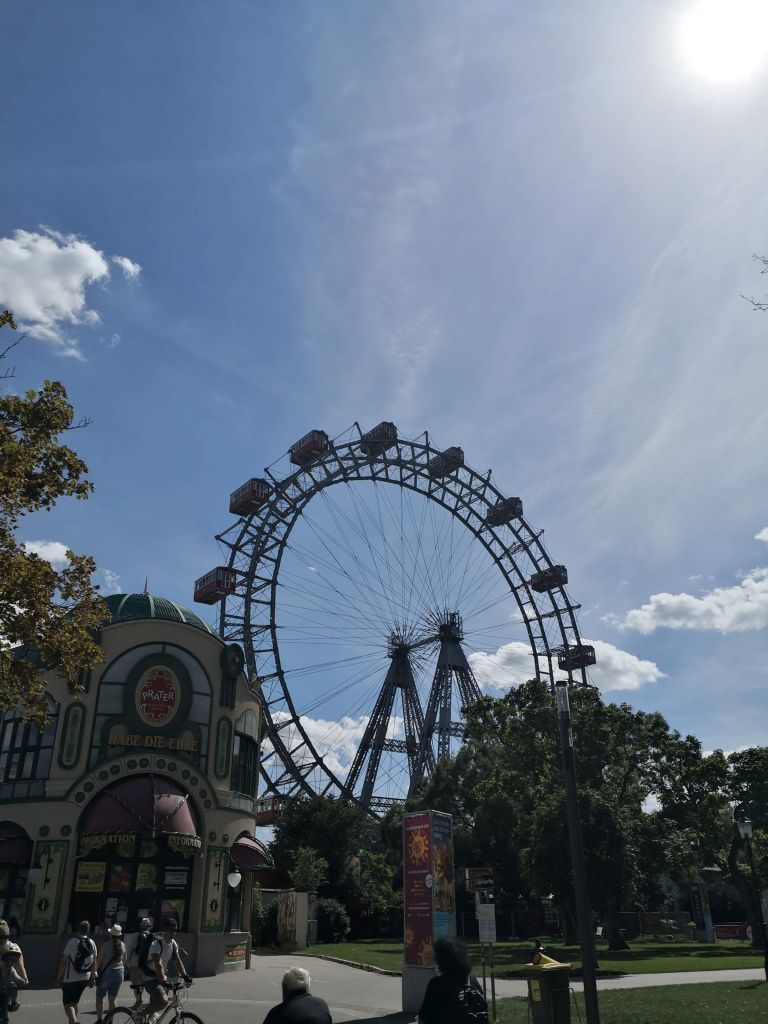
(725,40)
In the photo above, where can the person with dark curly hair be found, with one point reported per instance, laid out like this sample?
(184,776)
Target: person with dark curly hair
(455,995)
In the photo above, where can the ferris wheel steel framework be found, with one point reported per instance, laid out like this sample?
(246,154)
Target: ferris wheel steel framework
(257,542)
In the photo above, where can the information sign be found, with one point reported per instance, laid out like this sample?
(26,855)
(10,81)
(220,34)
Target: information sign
(479,878)
(487,922)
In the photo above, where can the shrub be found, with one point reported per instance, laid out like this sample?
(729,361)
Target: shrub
(258,916)
(332,921)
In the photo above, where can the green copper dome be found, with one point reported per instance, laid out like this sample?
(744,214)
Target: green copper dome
(144,606)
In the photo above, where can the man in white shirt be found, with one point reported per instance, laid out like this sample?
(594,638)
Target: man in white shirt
(77,970)
(164,959)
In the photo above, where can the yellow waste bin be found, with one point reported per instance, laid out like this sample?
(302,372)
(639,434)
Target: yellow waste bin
(549,990)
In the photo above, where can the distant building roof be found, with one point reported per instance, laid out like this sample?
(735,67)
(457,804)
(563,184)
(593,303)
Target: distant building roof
(125,607)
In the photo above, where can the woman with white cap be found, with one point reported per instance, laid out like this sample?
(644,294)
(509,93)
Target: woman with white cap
(110,968)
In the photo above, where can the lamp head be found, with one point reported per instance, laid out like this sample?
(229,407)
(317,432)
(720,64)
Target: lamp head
(234,878)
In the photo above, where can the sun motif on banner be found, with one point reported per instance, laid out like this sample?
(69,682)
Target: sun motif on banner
(418,846)
(425,954)
(410,936)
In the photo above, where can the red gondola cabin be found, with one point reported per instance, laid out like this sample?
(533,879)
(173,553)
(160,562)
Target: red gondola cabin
(310,447)
(214,585)
(379,438)
(578,656)
(446,462)
(548,579)
(504,511)
(249,497)
(268,809)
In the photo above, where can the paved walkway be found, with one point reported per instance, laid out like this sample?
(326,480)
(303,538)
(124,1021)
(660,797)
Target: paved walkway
(244,997)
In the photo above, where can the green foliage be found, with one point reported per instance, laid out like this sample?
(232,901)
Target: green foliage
(310,871)
(258,916)
(335,829)
(505,791)
(49,615)
(332,921)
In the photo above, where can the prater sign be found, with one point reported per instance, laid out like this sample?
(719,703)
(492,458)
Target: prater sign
(158,694)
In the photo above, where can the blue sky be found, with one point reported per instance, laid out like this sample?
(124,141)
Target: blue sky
(525,228)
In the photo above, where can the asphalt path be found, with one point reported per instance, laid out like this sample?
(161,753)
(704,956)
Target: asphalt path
(244,997)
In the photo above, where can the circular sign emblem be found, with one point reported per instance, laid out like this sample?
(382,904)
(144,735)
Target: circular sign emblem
(157,695)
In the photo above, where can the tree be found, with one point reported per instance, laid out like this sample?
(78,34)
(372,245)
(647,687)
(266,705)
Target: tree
(505,790)
(310,871)
(49,616)
(749,791)
(336,830)
(756,305)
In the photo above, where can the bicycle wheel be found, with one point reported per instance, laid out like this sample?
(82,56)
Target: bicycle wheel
(190,1018)
(120,1015)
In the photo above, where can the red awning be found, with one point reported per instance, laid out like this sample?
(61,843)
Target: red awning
(15,846)
(143,804)
(251,855)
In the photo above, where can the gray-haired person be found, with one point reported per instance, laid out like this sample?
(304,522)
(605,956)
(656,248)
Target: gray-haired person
(298,1006)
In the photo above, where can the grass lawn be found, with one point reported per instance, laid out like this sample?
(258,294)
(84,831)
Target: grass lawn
(645,957)
(732,1002)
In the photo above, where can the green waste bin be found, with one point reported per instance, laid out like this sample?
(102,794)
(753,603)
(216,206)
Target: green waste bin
(549,993)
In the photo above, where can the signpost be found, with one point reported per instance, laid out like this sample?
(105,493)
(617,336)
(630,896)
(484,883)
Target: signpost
(480,881)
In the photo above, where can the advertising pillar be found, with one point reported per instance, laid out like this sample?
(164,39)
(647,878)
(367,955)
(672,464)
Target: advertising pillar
(429,898)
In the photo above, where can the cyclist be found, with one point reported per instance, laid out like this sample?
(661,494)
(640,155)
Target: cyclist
(163,955)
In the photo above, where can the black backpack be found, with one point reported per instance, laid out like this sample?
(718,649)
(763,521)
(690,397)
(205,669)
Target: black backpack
(83,959)
(143,947)
(474,1008)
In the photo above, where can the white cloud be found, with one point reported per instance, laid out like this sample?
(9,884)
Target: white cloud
(55,552)
(130,269)
(513,664)
(619,670)
(52,551)
(43,279)
(510,665)
(762,535)
(734,609)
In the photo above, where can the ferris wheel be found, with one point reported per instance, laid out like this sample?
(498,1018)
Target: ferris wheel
(377,586)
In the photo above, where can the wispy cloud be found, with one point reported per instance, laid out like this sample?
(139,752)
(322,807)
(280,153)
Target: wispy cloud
(44,277)
(130,269)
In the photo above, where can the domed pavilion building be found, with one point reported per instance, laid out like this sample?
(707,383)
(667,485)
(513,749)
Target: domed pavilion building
(139,798)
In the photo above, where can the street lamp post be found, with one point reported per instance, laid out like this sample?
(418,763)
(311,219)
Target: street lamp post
(745,832)
(583,907)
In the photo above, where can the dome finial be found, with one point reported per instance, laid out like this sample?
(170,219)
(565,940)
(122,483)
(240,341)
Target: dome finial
(146,584)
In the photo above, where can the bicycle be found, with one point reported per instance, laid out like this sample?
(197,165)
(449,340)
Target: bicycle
(172,1014)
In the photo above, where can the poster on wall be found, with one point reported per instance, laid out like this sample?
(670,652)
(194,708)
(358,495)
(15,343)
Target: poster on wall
(429,896)
(176,877)
(443,886)
(90,876)
(173,909)
(120,878)
(417,888)
(146,877)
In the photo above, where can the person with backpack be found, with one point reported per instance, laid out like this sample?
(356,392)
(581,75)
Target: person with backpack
(455,995)
(164,960)
(10,979)
(77,969)
(110,969)
(18,964)
(138,958)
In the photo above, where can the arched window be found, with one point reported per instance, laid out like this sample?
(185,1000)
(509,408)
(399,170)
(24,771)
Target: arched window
(245,754)
(25,754)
